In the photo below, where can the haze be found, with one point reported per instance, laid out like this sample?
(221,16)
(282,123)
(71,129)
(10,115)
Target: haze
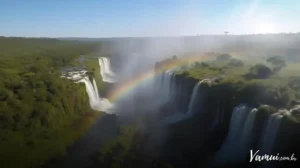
(134,18)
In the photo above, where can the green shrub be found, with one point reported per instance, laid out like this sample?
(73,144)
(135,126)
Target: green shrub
(236,62)
(224,57)
(266,109)
(259,71)
(277,62)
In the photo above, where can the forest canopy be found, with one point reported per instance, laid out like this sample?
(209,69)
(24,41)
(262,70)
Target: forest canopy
(38,108)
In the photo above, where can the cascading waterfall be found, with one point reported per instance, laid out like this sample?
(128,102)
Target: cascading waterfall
(107,66)
(90,91)
(173,89)
(156,84)
(96,89)
(105,70)
(247,135)
(192,108)
(162,86)
(194,100)
(240,139)
(240,136)
(96,102)
(169,91)
(167,85)
(162,90)
(101,65)
(270,133)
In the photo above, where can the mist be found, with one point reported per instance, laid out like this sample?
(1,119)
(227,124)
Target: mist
(131,57)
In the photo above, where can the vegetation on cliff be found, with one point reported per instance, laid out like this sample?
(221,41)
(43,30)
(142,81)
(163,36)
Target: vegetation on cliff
(266,85)
(280,82)
(274,81)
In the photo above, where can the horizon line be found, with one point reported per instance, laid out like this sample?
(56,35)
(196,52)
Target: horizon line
(174,36)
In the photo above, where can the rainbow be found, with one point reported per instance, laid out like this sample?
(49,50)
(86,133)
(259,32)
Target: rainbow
(130,85)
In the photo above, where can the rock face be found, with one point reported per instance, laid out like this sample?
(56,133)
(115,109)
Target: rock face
(217,128)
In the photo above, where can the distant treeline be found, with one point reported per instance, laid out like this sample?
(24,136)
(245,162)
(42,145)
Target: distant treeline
(284,44)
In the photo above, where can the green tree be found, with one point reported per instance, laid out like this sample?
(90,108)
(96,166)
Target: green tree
(277,62)
(37,107)
(224,57)
(236,62)
(259,71)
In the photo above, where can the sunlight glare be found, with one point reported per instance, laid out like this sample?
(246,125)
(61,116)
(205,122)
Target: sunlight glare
(265,27)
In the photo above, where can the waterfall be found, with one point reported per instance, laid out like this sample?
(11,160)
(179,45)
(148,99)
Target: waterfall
(157,83)
(247,138)
(163,86)
(101,65)
(194,100)
(239,138)
(96,89)
(90,91)
(96,102)
(192,108)
(269,136)
(270,133)
(173,89)
(162,89)
(167,85)
(105,70)
(107,66)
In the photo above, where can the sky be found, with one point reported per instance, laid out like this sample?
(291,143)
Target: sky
(140,18)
